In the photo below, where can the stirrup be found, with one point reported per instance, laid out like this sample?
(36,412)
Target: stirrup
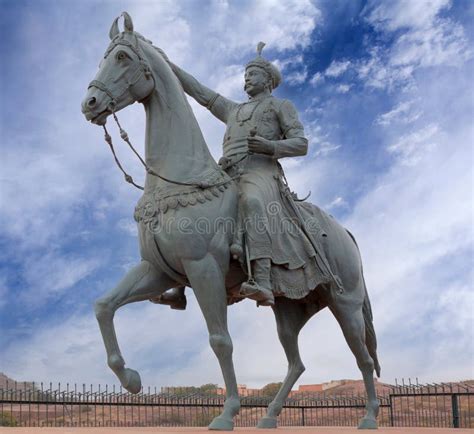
(237,251)
(171,300)
(263,296)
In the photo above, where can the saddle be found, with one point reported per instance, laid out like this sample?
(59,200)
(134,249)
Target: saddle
(296,284)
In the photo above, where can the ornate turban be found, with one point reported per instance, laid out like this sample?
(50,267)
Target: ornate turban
(267,66)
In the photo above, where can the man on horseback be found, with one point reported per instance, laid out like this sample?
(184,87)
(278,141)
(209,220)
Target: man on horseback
(289,244)
(259,132)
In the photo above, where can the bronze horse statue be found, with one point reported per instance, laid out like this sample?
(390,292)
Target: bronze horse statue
(184,183)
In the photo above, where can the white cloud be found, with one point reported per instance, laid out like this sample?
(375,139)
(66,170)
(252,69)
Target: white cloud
(229,28)
(288,62)
(317,79)
(296,77)
(293,68)
(343,88)
(318,139)
(164,25)
(424,39)
(57,164)
(457,304)
(405,112)
(282,25)
(44,183)
(337,68)
(338,202)
(229,81)
(52,274)
(444,43)
(376,72)
(403,14)
(412,146)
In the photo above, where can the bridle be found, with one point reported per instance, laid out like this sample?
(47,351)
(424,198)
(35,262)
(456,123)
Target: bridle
(140,70)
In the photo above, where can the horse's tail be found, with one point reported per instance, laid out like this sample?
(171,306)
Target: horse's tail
(370,338)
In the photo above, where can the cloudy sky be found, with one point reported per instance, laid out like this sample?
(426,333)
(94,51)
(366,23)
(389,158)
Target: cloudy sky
(385,92)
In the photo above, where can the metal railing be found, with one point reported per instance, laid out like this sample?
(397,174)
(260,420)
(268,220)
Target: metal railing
(410,405)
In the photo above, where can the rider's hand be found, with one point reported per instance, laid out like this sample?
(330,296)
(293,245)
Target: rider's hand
(259,145)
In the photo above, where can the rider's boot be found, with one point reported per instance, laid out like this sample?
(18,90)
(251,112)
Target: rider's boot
(259,288)
(174,298)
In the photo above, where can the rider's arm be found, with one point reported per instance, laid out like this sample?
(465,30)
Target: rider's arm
(217,104)
(293,143)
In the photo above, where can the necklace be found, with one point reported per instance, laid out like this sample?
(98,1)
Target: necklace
(237,115)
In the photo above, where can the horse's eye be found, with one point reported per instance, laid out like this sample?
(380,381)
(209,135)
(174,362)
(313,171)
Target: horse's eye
(121,55)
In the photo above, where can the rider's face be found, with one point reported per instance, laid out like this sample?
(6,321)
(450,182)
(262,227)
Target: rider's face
(256,80)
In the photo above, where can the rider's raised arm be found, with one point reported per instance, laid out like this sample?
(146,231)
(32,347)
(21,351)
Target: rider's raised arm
(293,143)
(219,106)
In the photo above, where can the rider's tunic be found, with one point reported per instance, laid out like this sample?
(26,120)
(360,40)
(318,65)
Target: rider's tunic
(267,221)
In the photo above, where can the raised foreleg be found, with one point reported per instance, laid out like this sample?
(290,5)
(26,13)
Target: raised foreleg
(207,281)
(142,282)
(290,318)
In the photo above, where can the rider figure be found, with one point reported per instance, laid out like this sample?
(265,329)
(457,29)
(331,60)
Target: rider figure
(259,132)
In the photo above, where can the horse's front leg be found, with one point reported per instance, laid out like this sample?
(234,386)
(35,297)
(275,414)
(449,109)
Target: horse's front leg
(207,281)
(141,283)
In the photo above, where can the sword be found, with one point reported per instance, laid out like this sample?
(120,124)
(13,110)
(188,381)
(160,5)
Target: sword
(296,211)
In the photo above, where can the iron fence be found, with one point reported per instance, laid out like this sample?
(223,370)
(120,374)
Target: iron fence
(421,405)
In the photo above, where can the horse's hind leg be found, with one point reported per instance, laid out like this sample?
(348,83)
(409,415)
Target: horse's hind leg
(207,281)
(141,283)
(351,320)
(290,318)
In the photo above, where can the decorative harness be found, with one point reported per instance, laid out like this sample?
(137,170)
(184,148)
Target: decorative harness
(142,69)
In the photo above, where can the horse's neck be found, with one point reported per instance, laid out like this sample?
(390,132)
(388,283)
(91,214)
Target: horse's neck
(174,145)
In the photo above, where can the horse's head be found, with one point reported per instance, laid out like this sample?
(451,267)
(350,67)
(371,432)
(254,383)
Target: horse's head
(124,75)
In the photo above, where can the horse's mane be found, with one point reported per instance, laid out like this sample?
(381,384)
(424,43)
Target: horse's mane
(173,107)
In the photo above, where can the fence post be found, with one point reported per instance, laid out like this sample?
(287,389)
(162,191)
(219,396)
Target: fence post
(390,409)
(302,416)
(455,408)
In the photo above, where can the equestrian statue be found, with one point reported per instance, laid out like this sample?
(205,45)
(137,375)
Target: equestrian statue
(229,230)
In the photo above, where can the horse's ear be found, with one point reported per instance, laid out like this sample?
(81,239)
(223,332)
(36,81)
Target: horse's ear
(114,30)
(127,22)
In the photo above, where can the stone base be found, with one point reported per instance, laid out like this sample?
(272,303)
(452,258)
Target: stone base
(282,430)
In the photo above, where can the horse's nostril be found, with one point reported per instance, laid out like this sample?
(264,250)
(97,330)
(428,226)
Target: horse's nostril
(91,102)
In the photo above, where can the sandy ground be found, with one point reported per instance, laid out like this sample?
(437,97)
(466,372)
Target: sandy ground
(282,430)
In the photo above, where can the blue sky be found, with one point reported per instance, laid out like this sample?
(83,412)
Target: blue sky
(385,93)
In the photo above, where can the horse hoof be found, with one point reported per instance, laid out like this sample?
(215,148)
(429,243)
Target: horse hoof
(221,424)
(366,423)
(132,382)
(267,422)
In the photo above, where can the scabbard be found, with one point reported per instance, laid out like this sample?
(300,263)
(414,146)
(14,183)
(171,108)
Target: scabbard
(285,190)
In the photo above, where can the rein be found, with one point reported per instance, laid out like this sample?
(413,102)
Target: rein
(114,94)
(149,170)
